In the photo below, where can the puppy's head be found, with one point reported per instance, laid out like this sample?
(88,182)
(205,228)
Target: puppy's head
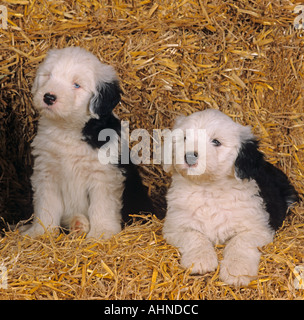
(211,144)
(73,84)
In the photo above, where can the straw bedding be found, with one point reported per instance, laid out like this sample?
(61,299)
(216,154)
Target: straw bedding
(173,57)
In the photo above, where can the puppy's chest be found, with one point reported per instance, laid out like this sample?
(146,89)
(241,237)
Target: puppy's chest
(217,212)
(70,159)
(212,206)
(75,159)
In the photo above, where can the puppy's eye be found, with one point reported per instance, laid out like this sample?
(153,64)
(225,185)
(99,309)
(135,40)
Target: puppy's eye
(76,85)
(216,143)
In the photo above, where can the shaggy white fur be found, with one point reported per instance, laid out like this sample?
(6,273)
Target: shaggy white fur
(71,187)
(215,206)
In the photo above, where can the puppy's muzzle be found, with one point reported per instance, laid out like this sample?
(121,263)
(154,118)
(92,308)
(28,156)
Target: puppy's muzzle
(191,158)
(49,99)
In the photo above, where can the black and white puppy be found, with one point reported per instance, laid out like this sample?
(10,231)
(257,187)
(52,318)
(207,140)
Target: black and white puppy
(227,193)
(75,94)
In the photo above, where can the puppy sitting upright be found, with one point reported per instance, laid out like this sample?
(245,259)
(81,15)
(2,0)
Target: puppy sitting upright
(228,192)
(75,94)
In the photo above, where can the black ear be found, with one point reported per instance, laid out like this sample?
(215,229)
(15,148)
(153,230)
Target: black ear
(106,98)
(274,187)
(249,160)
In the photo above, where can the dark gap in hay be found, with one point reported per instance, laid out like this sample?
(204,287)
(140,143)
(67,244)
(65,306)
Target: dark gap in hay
(16,164)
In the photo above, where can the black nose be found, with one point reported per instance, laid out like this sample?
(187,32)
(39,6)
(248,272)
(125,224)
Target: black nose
(49,98)
(191,158)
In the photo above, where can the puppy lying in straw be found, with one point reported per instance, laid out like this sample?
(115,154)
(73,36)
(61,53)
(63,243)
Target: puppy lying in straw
(75,94)
(223,190)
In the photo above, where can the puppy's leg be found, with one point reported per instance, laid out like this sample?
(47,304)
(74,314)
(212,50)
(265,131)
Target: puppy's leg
(196,250)
(241,257)
(48,207)
(104,213)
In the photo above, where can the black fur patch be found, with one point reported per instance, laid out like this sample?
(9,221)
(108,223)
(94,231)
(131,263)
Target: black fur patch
(275,188)
(102,104)
(92,128)
(135,196)
(109,95)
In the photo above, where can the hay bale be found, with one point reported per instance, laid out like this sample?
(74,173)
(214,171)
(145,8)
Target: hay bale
(244,58)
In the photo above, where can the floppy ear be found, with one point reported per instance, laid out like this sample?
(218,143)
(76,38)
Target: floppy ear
(105,99)
(41,69)
(37,79)
(178,121)
(249,160)
(274,187)
(35,84)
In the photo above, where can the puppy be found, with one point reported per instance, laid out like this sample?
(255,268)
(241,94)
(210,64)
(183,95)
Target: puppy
(228,192)
(75,94)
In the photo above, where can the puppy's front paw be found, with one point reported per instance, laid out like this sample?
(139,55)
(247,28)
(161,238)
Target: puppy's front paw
(200,261)
(33,231)
(237,272)
(80,224)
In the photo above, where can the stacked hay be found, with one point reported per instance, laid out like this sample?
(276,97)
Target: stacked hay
(173,57)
